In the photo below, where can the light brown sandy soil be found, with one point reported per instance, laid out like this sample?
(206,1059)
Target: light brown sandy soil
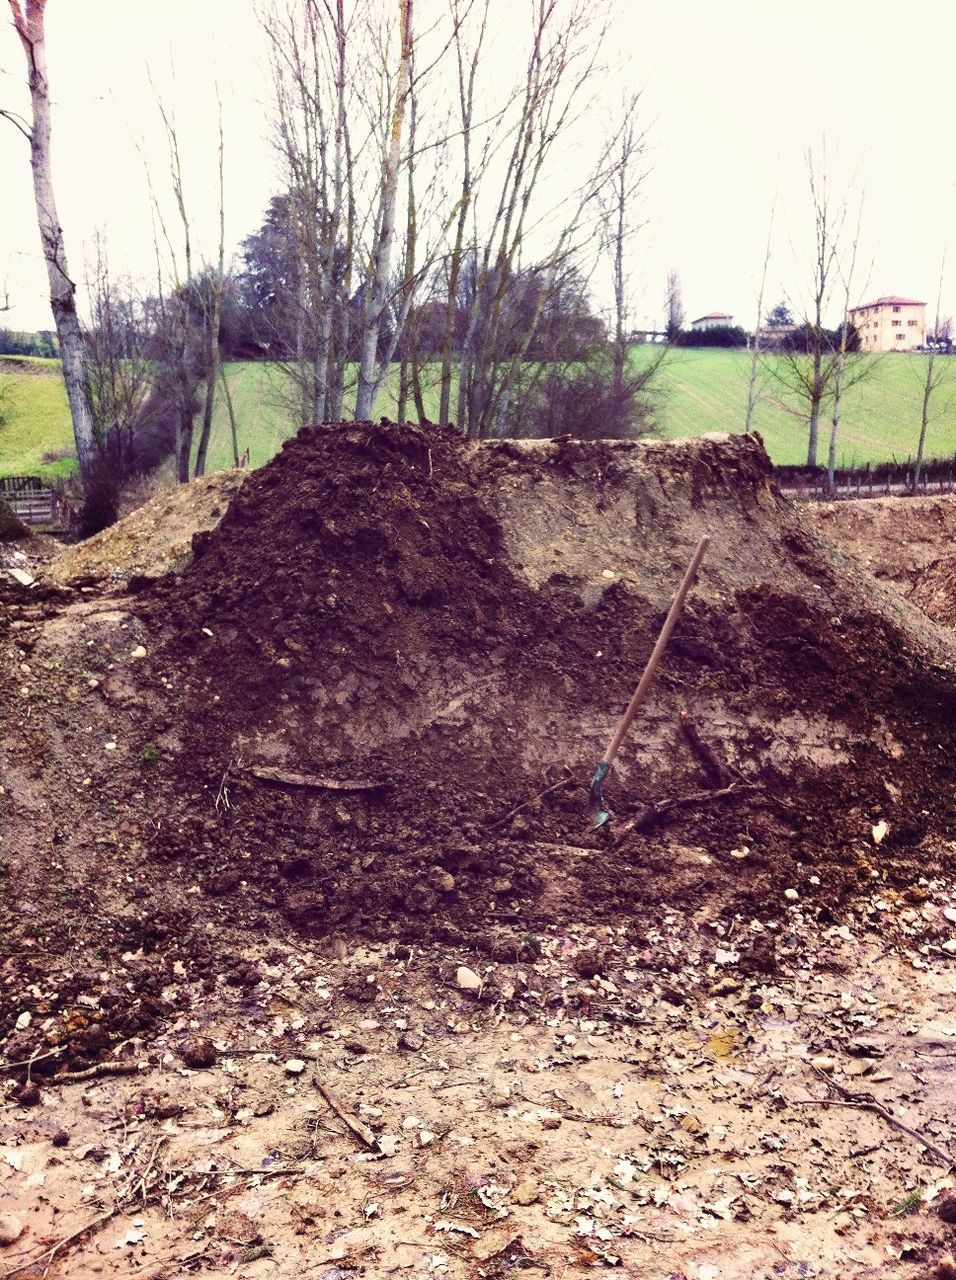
(154,538)
(703,1123)
(909,542)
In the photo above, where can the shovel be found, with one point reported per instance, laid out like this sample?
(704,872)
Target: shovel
(601,815)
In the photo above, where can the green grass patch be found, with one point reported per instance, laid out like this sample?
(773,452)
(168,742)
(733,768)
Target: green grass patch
(698,391)
(36,436)
(706,390)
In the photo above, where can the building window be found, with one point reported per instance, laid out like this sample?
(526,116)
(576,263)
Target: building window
(912,323)
(900,337)
(896,310)
(897,323)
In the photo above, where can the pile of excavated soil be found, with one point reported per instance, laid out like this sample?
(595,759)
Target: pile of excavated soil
(425,633)
(392,639)
(154,538)
(909,542)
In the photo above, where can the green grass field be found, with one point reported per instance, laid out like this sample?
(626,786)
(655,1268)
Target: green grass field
(35,419)
(698,391)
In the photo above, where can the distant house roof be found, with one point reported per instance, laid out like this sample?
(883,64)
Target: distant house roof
(714,315)
(892,300)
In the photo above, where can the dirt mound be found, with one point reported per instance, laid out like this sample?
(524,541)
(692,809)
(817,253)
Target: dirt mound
(905,541)
(391,641)
(11,526)
(152,539)
(393,638)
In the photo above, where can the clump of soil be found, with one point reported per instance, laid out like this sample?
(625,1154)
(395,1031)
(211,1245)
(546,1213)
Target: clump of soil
(153,539)
(12,527)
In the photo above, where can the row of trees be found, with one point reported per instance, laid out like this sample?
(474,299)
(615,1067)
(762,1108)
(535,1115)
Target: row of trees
(427,223)
(420,223)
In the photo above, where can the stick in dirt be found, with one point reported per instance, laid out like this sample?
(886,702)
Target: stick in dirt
(601,814)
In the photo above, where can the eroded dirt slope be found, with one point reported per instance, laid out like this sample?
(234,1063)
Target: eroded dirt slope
(909,542)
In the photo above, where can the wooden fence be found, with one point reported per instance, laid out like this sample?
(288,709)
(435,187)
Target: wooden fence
(33,501)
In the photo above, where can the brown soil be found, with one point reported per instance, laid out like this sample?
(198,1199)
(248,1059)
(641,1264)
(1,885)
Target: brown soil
(908,542)
(11,526)
(264,800)
(437,632)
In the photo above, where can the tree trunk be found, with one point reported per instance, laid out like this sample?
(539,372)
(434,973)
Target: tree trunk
(377,282)
(29,27)
(928,388)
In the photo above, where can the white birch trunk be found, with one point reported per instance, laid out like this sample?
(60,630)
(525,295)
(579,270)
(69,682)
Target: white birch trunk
(377,284)
(29,25)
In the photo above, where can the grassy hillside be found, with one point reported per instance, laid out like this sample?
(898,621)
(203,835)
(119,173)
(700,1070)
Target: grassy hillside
(36,419)
(699,391)
(706,390)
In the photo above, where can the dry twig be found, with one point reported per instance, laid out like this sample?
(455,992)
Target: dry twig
(866,1102)
(525,804)
(361,1131)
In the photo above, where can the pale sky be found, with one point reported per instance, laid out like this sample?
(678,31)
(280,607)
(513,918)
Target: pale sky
(734,93)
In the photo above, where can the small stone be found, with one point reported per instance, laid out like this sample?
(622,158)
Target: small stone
(93,683)
(880,831)
(949,913)
(425,1137)
(823,1064)
(467,979)
(294,1067)
(23,1021)
(791,895)
(138,652)
(413,1040)
(725,987)
(526,1192)
(949,946)
(411,1122)
(441,880)
(61,1138)
(199,1052)
(11,1229)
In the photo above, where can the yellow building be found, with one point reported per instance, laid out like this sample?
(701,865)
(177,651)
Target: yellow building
(890,324)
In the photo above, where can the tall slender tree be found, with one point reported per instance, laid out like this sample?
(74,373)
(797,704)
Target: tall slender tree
(28,19)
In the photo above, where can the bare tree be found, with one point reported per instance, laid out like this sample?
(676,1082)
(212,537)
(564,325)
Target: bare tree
(805,365)
(119,371)
(839,373)
(934,374)
(674,314)
(377,279)
(755,345)
(617,196)
(28,18)
(565,43)
(214,321)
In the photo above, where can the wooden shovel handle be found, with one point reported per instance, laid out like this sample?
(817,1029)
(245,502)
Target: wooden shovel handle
(670,622)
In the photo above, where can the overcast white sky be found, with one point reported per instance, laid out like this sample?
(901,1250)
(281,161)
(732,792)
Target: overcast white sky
(734,90)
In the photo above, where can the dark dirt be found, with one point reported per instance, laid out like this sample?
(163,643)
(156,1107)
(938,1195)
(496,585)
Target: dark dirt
(447,629)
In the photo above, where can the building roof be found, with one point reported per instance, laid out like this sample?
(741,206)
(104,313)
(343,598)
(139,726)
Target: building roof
(714,315)
(891,300)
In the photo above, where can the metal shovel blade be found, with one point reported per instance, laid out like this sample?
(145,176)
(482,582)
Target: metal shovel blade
(598,811)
